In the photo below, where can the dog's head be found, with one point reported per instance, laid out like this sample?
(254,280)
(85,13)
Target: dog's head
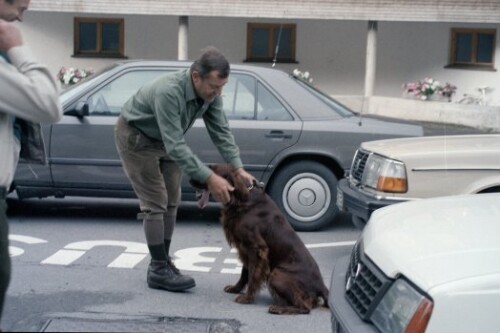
(226,171)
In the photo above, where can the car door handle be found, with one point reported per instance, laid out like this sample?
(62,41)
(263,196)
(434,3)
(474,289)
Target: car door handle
(276,134)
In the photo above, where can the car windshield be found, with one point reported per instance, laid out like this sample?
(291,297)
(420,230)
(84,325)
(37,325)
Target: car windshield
(325,98)
(74,90)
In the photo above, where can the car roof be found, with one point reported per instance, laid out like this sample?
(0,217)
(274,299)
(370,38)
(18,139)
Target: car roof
(308,106)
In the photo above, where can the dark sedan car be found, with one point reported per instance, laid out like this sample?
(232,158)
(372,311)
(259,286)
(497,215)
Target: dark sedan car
(294,138)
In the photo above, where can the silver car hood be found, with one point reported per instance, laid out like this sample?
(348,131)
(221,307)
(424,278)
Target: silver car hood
(436,241)
(449,145)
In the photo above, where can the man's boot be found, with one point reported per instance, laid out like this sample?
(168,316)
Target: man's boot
(164,275)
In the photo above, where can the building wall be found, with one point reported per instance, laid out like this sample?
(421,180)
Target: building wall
(333,51)
(364,10)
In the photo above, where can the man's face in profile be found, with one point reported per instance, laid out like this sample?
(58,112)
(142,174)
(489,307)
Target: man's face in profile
(13,10)
(208,87)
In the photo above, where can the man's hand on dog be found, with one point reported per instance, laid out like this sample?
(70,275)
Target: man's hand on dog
(249,179)
(219,188)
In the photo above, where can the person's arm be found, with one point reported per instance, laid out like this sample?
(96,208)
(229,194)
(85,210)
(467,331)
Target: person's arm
(218,128)
(222,137)
(28,89)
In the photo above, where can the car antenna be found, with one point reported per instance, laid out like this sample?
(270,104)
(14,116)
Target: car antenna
(360,118)
(276,49)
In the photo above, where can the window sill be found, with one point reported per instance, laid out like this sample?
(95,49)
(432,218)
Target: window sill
(486,68)
(100,55)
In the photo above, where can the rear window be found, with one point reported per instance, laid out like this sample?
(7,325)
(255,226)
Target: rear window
(331,102)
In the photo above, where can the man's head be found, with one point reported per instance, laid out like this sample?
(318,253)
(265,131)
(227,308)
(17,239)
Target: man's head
(209,74)
(13,10)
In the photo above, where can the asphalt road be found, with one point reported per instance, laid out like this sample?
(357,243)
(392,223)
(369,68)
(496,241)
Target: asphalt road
(80,265)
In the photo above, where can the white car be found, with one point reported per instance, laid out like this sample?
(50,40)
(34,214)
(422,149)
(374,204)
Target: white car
(423,266)
(385,172)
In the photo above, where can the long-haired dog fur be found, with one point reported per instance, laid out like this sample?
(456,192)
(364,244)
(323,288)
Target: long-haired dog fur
(268,247)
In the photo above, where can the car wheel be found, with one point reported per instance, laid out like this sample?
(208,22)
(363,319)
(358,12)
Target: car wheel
(305,192)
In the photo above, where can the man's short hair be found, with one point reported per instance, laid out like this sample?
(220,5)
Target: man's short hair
(10,1)
(211,59)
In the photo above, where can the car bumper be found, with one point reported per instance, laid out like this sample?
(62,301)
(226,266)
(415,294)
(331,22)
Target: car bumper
(358,204)
(344,319)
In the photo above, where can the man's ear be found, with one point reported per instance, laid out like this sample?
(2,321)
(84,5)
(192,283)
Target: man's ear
(195,76)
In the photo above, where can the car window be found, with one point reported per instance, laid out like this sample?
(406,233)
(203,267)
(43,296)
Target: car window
(328,100)
(246,98)
(109,99)
(75,90)
(239,97)
(269,107)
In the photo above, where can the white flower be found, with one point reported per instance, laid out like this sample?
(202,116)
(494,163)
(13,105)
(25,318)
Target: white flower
(71,75)
(304,76)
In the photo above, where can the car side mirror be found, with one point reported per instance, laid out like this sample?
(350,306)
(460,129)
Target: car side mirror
(81,110)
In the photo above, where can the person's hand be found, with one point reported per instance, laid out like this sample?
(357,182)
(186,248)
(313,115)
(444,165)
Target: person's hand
(249,179)
(10,36)
(219,188)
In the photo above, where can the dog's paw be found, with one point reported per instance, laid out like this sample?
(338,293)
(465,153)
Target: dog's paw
(232,289)
(243,299)
(275,309)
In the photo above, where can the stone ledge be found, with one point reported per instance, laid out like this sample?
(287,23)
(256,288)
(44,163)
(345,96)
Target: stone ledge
(482,117)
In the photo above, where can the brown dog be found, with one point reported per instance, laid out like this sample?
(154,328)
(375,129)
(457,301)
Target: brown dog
(268,247)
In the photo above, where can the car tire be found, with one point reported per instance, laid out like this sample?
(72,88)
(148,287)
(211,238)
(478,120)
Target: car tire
(305,192)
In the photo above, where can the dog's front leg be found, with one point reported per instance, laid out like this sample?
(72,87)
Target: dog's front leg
(258,270)
(242,282)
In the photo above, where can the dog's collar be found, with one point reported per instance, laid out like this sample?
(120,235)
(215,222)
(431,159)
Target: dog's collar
(255,184)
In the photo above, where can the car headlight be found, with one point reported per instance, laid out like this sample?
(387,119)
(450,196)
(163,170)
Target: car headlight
(403,309)
(385,175)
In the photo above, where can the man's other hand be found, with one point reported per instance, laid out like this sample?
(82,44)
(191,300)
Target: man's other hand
(219,188)
(10,36)
(249,179)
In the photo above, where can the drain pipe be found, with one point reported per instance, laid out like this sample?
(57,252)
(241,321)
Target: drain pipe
(182,52)
(371,63)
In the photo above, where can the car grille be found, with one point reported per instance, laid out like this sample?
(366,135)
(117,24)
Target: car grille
(365,283)
(358,165)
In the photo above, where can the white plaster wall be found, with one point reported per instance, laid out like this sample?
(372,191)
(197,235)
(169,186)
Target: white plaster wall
(50,35)
(152,37)
(332,51)
(409,51)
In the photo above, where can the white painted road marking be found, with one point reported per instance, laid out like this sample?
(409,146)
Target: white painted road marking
(15,251)
(187,259)
(334,244)
(134,253)
(198,259)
